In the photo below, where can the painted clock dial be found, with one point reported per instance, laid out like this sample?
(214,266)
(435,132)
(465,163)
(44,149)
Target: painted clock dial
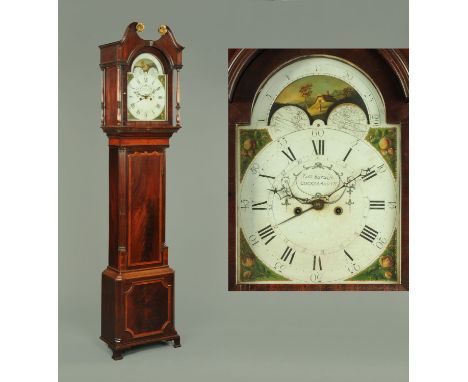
(146,90)
(318,205)
(318,180)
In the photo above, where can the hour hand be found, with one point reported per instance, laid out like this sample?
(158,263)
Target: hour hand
(140,97)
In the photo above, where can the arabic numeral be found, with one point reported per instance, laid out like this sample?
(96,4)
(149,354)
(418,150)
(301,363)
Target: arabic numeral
(254,168)
(253,239)
(244,203)
(353,268)
(279,267)
(318,133)
(392,205)
(381,168)
(380,243)
(282,143)
(316,277)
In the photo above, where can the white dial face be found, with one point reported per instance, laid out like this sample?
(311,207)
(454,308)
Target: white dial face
(315,98)
(146,89)
(350,117)
(318,205)
(288,119)
(146,95)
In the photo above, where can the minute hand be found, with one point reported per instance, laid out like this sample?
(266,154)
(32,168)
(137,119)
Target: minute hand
(348,182)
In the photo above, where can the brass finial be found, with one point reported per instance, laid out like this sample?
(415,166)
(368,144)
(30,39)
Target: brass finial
(162,29)
(140,27)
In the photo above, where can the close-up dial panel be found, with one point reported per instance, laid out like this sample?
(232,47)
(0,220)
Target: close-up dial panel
(318,206)
(320,175)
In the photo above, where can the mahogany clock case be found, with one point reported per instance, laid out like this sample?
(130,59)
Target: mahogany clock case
(138,284)
(249,69)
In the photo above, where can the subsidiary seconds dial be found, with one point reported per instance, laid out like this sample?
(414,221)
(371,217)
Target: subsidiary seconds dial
(318,205)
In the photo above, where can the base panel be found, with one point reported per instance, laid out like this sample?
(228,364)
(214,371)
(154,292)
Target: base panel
(137,308)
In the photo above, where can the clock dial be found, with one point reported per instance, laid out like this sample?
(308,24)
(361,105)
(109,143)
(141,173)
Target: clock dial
(314,169)
(146,90)
(348,117)
(288,119)
(316,85)
(319,205)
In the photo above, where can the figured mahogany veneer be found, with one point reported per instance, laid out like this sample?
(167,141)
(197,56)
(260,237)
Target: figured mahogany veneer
(138,284)
(144,208)
(249,68)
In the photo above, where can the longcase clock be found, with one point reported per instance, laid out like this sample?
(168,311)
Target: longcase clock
(137,117)
(318,169)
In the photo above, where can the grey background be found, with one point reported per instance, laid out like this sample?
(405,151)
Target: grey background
(225,335)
